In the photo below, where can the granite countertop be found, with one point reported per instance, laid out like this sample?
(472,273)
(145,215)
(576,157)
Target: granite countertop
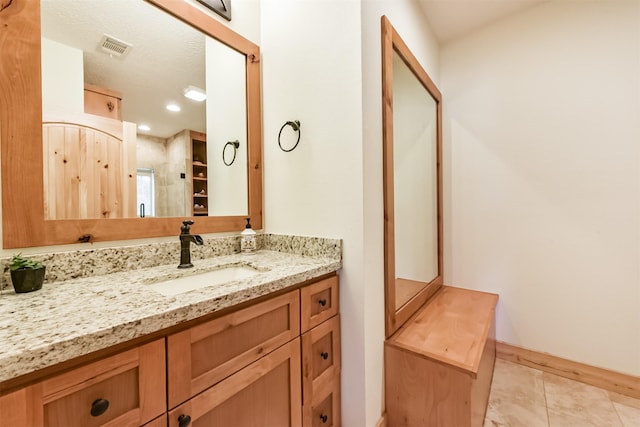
(71,318)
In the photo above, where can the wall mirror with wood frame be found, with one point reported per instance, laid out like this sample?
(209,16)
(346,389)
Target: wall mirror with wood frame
(40,137)
(412,177)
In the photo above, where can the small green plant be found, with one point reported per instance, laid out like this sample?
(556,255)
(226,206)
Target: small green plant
(18,262)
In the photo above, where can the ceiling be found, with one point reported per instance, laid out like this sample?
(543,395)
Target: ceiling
(453,18)
(166,57)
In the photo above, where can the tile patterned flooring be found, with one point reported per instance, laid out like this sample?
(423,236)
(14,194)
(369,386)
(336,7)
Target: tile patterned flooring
(525,397)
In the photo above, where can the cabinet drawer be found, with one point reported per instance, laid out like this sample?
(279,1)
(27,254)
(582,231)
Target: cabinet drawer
(319,302)
(265,393)
(206,354)
(127,389)
(320,361)
(325,411)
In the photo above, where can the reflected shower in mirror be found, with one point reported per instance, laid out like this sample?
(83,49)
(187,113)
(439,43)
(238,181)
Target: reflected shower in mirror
(109,70)
(412,178)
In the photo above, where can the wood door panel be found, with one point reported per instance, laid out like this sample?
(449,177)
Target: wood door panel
(89,168)
(265,393)
(206,354)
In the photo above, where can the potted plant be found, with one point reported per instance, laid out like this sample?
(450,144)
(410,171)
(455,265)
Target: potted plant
(26,274)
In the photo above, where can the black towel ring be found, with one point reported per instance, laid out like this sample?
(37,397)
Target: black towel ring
(296,127)
(235,144)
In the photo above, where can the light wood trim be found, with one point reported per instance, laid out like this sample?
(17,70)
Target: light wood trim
(158,422)
(382,422)
(111,127)
(21,118)
(183,383)
(23,222)
(618,382)
(152,380)
(391,41)
(308,298)
(23,407)
(103,90)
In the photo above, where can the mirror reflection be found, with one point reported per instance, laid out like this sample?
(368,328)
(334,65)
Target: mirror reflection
(111,147)
(412,181)
(415,183)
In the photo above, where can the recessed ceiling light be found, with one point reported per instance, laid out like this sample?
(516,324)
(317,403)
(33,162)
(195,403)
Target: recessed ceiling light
(173,107)
(195,93)
(144,127)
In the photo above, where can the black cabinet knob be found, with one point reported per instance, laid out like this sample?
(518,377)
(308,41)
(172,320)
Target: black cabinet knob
(324,418)
(322,302)
(184,420)
(324,355)
(99,407)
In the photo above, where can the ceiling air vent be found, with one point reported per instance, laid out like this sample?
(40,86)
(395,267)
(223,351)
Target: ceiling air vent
(113,46)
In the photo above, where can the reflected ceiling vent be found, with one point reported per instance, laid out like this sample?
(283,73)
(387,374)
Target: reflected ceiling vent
(113,46)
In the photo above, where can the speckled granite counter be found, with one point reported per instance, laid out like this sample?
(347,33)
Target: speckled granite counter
(68,319)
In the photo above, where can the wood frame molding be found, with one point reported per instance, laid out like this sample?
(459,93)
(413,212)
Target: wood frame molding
(625,384)
(391,41)
(23,223)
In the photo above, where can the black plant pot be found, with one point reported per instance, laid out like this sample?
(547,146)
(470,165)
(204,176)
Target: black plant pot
(27,279)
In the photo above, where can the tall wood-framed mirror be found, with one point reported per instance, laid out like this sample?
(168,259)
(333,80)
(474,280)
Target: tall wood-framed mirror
(27,223)
(412,177)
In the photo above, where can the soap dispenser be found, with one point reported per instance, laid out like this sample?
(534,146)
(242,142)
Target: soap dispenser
(248,243)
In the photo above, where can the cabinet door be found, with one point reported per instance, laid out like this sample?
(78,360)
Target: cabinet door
(321,374)
(265,393)
(319,301)
(127,389)
(206,354)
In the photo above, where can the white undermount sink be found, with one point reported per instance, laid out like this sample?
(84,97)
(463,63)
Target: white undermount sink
(202,280)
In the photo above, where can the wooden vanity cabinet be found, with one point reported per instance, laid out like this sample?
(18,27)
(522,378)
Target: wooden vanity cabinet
(127,389)
(272,363)
(321,358)
(252,367)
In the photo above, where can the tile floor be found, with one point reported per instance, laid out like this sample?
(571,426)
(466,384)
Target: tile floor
(526,397)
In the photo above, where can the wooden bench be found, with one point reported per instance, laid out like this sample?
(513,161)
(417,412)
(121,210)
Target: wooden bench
(439,365)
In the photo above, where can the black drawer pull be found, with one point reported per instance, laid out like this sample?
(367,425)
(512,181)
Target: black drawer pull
(99,407)
(324,355)
(184,420)
(324,418)
(322,302)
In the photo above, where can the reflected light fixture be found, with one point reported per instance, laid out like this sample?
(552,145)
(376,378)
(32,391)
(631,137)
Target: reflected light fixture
(144,127)
(173,107)
(195,93)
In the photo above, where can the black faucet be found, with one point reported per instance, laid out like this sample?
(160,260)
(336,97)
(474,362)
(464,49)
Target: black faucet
(185,244)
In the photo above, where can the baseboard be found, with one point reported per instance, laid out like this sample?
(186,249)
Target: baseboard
(628,385)
(382,422)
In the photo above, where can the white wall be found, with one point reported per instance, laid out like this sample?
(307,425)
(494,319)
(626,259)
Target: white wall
(226,121)
(311,72)
(62,78)
(542,177)
(321,65)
